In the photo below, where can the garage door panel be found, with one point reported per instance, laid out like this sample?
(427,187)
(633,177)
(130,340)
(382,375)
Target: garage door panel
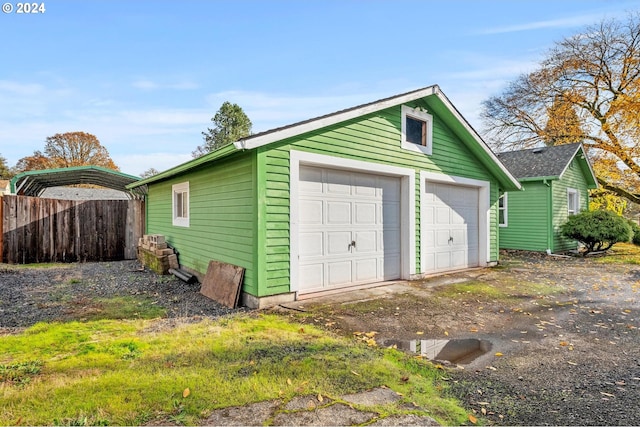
(459,258)
(311,212)
(390,213)
(389,241)
(338,182)
(311,180)
(443,260)
(458,237)
(390,267)
(366,269)
(338,213)
(365,213)
(458,218)
(429,239)
(389,189)
(442,238)
(365,186)
(311,244)
(312,276)
(338,243)
(443,215)
(365,242)
(338,272)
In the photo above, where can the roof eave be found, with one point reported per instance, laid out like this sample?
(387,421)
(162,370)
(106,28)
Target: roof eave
(507,181)
(184,167)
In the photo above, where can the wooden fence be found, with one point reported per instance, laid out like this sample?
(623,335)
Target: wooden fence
(50,230)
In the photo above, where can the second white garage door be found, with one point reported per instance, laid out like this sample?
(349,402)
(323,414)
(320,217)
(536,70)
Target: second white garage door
(349,228)
(450,222)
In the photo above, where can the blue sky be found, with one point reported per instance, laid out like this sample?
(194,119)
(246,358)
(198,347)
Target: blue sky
(146,77)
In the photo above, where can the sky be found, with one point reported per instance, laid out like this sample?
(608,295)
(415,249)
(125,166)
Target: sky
(146,77)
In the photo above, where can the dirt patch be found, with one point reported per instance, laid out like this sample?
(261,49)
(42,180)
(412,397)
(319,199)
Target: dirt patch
(92,291)
(565,343)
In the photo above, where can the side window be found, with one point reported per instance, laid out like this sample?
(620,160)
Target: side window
(180,204)
(416,130)
(573,201)
(502,211)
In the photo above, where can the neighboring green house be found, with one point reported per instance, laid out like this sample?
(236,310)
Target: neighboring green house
(556,182)
(394,189)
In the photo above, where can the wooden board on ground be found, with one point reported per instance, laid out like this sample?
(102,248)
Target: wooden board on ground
(222,283)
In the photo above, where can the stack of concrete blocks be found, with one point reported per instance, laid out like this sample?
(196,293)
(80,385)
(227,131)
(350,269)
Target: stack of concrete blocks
(153,252)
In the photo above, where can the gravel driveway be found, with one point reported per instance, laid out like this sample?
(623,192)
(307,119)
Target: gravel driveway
(571,357)
(72,291)
(568,358)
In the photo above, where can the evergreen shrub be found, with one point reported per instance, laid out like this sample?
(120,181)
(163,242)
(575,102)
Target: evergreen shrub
(597,230)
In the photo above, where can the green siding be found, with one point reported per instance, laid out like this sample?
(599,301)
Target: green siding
(527,218)
(240,205)
(572,178)
(373,138)
(536,214)
(222,223)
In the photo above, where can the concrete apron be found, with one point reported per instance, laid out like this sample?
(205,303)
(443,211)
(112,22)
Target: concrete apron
(352,409)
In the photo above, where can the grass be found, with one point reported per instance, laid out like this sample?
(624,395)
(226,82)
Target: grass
(134,372)
(115,308)
(620,253)
(5,267)
(503,290)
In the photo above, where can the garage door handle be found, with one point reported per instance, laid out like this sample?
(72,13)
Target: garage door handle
(450,239)
(353,244)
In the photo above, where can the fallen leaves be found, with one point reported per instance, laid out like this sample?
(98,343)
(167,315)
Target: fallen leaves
(367,337)
(186,392)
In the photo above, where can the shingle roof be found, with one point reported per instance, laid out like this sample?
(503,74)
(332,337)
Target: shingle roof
(540,161)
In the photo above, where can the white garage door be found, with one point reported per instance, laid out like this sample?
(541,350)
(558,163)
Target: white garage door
(349,228)
(451,227)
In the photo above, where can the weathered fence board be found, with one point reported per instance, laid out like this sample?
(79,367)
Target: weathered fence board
(52,230)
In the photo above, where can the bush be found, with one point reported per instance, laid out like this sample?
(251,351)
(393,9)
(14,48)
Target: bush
(597,230)
(635,229)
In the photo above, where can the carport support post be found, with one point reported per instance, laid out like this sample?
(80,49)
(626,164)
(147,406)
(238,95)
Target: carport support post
(1,226)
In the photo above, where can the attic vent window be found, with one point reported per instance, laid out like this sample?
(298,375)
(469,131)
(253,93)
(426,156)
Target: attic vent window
(416,130)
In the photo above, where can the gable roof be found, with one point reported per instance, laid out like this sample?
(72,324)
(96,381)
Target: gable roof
(547,162)
(33,183)
(440,104)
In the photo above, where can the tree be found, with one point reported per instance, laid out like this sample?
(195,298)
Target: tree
(563,125)
(595,73)
(5,171)
(231,124)
(69,149)
(149,173)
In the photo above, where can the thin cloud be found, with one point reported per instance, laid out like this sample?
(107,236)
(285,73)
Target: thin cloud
(568,22)
(145,84)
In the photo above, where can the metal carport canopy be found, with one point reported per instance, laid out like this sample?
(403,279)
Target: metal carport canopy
(33,183)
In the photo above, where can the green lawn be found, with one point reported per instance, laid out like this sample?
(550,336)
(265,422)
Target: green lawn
(122,372)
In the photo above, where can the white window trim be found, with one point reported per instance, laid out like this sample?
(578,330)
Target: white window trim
(504,210)
(577,198)
(421,115)
(179,221)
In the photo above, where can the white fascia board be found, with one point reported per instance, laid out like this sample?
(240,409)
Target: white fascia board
(580,148)
(475,135)
(295,130)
